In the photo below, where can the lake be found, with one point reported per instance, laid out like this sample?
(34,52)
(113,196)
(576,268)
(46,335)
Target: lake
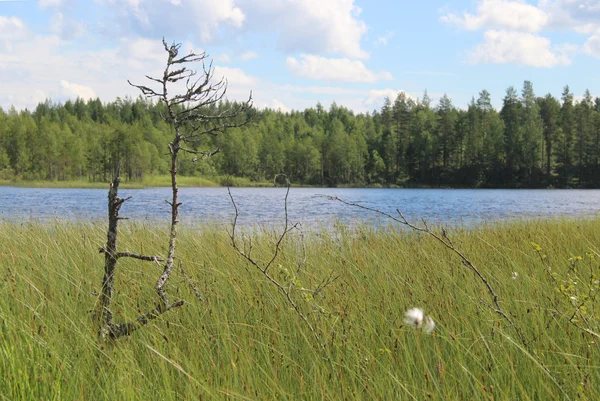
(308,206)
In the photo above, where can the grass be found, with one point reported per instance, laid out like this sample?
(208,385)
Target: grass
(246,343)
(148,181)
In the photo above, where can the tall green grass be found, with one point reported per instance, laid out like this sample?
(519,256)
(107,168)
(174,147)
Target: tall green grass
(246,343)
(163,180)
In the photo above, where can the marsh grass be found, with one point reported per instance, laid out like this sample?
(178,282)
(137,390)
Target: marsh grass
(163,180)
(245,343)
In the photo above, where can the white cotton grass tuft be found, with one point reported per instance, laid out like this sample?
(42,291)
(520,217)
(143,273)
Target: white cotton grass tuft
(415,317)
(429,325)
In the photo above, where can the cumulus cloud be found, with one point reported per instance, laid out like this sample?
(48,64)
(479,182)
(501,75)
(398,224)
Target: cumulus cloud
(66,28)
(333,69)
(592,46)
(522,48)
(176,18)
(517,15)
(236,77)
(580,15)
(74,90)
(309,26)
(11,29)
(46,66)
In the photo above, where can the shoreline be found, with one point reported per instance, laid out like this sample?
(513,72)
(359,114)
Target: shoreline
(200,182)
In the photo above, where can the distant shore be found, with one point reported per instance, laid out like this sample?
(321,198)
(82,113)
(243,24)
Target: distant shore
(213,182)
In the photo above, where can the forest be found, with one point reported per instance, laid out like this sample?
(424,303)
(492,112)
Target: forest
(531,142)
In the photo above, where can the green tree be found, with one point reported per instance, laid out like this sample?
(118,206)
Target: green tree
(513,134)
(532,132)
(565,138)
(550,114)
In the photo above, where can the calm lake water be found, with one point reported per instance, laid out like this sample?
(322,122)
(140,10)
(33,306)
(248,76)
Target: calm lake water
(306,205)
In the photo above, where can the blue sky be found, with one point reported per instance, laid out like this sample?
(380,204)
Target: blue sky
(295,53)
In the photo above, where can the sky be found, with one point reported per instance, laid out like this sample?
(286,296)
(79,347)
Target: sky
(294,53)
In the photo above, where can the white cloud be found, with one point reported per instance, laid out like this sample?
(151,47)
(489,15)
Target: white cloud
(176,18)
(143,49)
(501,47)
(75,90)
(580,15)
(222,58)
(506,14)
(12,29)
(321,90)
(592,46)
(333,69)
(249,55)
(236,77)
(310,26)
(66,28)
(377,96)
(51,3)
(59,71)
(272,104)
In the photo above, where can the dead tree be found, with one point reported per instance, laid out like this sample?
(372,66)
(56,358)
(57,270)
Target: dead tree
(186,113)
(107,329)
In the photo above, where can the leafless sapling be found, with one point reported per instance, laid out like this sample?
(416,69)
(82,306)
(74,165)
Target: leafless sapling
(289,284)
(189,114)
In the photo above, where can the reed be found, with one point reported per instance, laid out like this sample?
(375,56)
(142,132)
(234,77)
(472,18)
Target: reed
(245,343)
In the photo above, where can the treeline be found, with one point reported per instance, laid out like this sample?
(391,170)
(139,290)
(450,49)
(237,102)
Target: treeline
(530,142)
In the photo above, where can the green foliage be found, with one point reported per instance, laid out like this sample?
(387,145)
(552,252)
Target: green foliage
(577,284)
(529,142)
(245,342)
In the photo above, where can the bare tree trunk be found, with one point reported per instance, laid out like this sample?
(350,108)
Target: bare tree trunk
(174,223)
(107,329)
(104,314)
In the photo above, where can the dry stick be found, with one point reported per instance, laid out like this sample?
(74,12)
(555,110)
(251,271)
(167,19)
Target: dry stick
(448,244)
(190,283)
(285,291)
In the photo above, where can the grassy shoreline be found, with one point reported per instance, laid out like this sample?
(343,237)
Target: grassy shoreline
(209,182)
(246,343)
(149,181)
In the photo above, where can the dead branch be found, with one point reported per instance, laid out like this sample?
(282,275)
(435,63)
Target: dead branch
(119,255)
(285,289)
